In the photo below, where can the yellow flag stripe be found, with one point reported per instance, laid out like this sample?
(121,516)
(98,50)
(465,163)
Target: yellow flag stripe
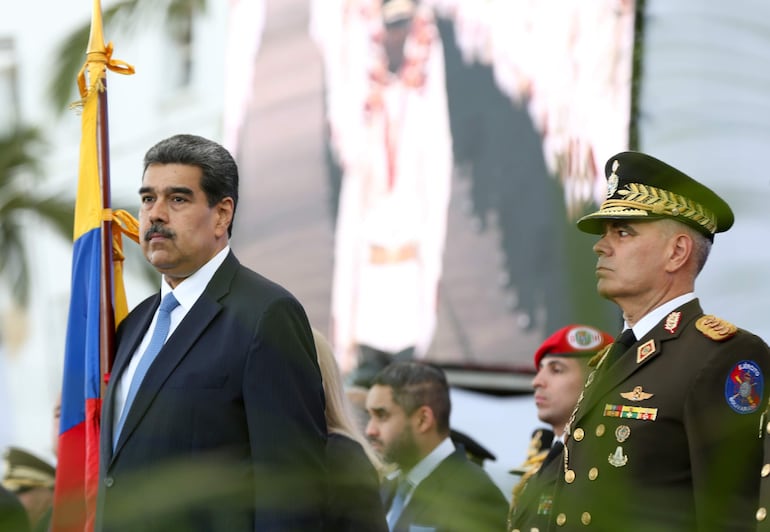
(88,206)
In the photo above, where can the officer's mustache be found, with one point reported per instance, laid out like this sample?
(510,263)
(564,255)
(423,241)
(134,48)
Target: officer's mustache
(158,229)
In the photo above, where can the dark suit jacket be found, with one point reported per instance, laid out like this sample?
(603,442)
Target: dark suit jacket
(354,489)
(227,431)
(679,454)
(458,496)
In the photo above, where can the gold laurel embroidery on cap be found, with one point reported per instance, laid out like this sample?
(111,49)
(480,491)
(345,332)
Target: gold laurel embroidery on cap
(715,328)
(659,201)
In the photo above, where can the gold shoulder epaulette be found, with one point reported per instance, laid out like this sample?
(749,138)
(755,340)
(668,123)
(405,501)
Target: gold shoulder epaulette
(715,328)
(598,356)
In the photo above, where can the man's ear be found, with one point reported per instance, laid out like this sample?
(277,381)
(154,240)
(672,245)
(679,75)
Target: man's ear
(680,252)
(424,419)
(224,211)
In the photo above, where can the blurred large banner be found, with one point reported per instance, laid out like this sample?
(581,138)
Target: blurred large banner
(462,139)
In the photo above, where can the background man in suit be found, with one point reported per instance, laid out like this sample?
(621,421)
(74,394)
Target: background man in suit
(436,487)
(665,434)
(226,429)
(561,362)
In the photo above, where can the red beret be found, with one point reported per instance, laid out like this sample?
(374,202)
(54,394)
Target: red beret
(573,341)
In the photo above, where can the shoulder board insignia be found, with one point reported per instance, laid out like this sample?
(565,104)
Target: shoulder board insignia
(599,356)
(715,328)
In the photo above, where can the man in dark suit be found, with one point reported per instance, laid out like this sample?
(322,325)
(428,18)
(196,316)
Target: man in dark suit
(435,487)
(664,436)
(561,362)
(224,428)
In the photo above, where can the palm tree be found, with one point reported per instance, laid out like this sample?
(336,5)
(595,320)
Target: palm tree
(176,15)
(19,171)
(20,149)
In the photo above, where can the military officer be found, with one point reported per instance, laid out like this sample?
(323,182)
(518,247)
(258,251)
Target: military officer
(664,435)
(31,479)
(561,362)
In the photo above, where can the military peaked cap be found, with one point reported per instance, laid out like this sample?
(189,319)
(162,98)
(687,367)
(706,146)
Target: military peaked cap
(642,187)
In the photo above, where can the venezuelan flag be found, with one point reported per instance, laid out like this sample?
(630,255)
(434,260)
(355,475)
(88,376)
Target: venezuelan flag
(78,459)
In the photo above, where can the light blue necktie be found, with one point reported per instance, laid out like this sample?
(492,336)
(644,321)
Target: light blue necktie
(162,325)
(402,492)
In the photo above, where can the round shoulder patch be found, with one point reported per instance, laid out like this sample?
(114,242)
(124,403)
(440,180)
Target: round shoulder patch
(744,387)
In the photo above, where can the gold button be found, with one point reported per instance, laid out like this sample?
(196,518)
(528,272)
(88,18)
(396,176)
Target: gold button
(761,514)
(585,518)
(569,476)
(534,530)
(599,431)
(561,519)
(593,473)
(767,428)
(579,434)
(765,470)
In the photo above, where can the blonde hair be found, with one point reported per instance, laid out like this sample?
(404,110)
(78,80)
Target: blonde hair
(339,417)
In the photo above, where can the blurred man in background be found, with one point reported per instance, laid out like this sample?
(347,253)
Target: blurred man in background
(436,486)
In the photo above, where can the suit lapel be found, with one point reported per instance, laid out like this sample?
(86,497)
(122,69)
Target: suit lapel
(424,504)
(643,352)
(388,491)
(179,344)
(128,345)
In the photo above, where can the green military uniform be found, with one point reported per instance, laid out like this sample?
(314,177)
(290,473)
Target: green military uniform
(532,499)
(531,508)
(665,437)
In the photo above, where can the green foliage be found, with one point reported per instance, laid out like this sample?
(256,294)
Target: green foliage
(126,15)
(19,172)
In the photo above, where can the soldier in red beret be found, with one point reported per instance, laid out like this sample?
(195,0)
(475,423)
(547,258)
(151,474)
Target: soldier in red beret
(561,363)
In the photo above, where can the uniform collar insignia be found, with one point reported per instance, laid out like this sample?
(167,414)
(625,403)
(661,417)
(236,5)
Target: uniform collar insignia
(672,322)
(645,350)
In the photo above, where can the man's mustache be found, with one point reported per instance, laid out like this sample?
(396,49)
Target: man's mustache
(158,229)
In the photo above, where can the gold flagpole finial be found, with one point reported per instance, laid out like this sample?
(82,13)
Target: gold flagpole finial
(96,39)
